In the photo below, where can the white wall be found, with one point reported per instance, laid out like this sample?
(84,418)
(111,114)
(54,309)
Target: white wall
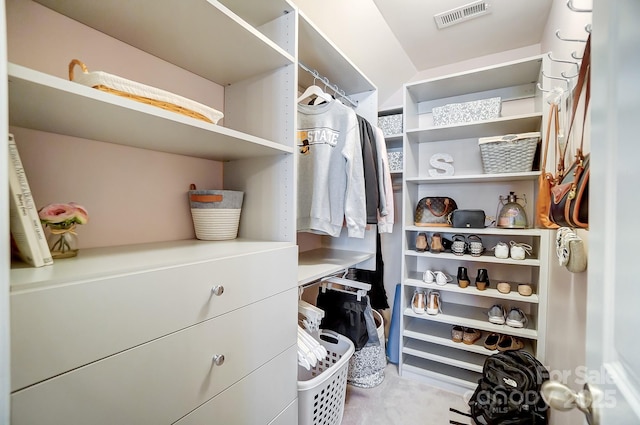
(566,332)
(358,29)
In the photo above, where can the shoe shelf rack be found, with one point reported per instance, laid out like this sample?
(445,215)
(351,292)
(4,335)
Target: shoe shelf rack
(427,349)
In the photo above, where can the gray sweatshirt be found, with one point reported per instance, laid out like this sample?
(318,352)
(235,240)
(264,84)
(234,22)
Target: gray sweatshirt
(330,171)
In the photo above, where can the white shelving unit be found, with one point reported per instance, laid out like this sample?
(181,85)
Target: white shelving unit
(142,326)
(427,350)
(252,51)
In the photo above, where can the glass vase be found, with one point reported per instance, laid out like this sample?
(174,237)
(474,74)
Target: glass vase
(62,240)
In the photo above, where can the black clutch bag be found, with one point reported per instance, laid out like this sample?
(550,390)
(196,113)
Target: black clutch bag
(467,219)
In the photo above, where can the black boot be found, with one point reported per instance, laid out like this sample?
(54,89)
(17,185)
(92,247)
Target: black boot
(482,281)
(463,277)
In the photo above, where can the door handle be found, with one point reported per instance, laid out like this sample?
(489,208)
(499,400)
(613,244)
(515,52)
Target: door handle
(560,397)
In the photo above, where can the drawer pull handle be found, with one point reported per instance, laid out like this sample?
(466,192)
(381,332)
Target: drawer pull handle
(218,359)
(217,290)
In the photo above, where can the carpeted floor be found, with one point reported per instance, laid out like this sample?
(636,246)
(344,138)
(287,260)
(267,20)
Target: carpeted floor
(400,401)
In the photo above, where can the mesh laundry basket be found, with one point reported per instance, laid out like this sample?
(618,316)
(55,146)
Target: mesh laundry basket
(322,389)
(215,213)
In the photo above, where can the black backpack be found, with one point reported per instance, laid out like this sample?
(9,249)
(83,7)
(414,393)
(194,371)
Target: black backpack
(509,391)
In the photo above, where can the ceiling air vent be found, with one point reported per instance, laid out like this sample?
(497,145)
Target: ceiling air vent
(462,13)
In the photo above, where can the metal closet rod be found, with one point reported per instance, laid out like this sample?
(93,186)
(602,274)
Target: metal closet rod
(338,91)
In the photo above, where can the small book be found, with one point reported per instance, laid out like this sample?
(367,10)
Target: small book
(26,227)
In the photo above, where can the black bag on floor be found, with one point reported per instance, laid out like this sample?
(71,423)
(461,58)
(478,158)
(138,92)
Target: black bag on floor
(509,391)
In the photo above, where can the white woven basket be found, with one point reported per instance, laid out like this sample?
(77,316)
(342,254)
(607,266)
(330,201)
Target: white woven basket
(512,153)
(215,213)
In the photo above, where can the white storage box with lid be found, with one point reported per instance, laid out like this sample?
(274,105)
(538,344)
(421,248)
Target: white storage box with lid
(458,113)
(391,125)
(395,160)
(511,153)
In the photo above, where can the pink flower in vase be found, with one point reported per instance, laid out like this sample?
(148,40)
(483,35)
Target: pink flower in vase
(61,219)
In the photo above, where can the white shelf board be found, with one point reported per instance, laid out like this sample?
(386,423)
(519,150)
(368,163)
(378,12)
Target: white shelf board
(316,51)
(390,110)
(485,231)
(487,257)
(43,102)
(194,35)
(394,141)
(96,263)
(476,178)
(318,263)
(440,333)
(441,372)
(416,280)
(474,317)
(515,73)
(258,13)
(441,354)
(514,124)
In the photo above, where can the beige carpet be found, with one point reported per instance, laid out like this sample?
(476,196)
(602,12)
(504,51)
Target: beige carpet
(400,401)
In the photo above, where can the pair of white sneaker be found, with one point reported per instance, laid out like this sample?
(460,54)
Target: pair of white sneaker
(518,251)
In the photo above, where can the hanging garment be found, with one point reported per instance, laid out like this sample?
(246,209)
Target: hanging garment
(366,366)
(331,186)
(353,318)
(385,221)
(377,294)
(345,314)
(370,164)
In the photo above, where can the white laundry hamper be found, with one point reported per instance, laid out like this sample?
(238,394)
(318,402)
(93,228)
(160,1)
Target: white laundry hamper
(322,389)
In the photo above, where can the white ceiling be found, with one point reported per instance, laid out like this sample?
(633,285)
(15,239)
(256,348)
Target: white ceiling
(396,41)
(510,25)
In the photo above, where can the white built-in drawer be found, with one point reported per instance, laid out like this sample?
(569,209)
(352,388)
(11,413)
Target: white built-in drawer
(161,381)
(288,416)
(255,400)
(56,329)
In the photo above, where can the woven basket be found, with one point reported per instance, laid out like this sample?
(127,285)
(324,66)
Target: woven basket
(215,213)
(142,93)
(512,153)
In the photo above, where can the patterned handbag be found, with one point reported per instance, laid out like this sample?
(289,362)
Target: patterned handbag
(570,195)
(434,211)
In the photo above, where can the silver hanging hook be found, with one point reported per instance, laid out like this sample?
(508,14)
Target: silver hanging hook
(569,39)
(568,76)
(575,9)
(563,61)
(566,80)
(587,28)
(575,56)
(541,89)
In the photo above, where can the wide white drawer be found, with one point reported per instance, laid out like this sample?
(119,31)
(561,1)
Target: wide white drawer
(161,381)
(57,329)
(288,416)
(256,400)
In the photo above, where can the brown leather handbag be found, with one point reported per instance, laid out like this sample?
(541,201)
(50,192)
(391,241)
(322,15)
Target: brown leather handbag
(434,211)
(570,194)
(547,180)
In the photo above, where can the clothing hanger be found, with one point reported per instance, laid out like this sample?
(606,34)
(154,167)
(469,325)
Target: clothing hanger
(361,288)
(313,315)
(314,90)
(319,100)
